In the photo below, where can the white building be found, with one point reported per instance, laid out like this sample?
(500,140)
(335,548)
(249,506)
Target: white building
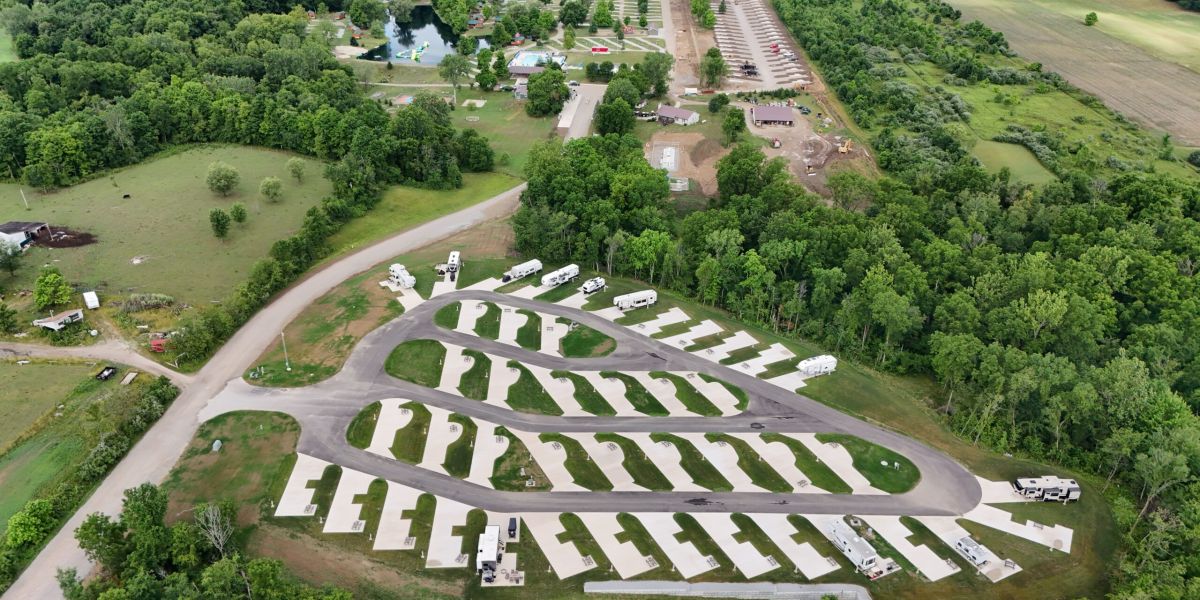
(1048,488)
(817,365)
(61,320)
(636,300)
(487,556)
(21,233)
(668,114)
(91,300)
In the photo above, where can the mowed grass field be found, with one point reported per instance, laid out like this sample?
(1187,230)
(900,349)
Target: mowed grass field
(31,391)
(1020,161)
(1141,58)
(503,121)
(164,224)
(8,53)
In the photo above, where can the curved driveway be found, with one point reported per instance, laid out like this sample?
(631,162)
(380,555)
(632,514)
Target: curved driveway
(325,410)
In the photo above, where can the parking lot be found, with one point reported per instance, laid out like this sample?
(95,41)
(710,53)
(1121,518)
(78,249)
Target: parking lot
(760,53)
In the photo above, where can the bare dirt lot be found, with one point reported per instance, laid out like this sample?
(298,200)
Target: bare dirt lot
(1156,92)
(809,154)
(696,157)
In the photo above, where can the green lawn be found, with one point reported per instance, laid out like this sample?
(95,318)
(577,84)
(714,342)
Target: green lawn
(488,324)
(7,52)
(584,342)
(583,471)
(447,316)
(474,383)
(641,399)
(688,395)
(30,394)
(151,223)
(642,470)
(504,122)
(405,207)
(561,292)
(460,451)
(702,472)
(818,473)
(409,443)
(586,395)
(529,336)
(869,459)
(529,396)
(1019,160)
(362,427)
(506,473)
(418,361)
(760,473)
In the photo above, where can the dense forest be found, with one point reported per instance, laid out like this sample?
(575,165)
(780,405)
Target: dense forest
(1063,321)
(1188,4)
(103,85)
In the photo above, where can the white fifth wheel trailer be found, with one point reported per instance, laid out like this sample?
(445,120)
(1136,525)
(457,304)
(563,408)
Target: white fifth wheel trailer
(560,276)
(401,277)
(522,270)
(1048,488)
(594,284)
(636,300)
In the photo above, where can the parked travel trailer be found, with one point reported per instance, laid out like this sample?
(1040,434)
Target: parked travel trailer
(971,549)
(401,277)
(817,365)
(860,553)
(454,262)
(489,552)
(522,270)
(594,284)
(636,300)
(560,276)
(1048,488)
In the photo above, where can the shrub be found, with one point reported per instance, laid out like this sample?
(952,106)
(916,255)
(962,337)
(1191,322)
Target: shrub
(222,178)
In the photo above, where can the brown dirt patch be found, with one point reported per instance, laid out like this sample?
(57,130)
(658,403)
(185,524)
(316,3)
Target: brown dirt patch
(320,562)
(697,157)
(63,237)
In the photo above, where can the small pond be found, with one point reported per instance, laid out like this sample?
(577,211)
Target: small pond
(425,33)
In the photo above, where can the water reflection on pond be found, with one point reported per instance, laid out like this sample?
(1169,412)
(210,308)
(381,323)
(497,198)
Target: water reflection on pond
(426,34)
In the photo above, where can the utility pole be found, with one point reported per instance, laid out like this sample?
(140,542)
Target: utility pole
(23,198)
(286,363)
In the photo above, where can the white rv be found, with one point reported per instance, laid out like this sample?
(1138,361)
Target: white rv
(860,553)
(1048,488)
(636,300)
(560,276)
(454,262)
(971,549)
(817,365)
(594,284)
(401,277)
(522,270)
(489,552)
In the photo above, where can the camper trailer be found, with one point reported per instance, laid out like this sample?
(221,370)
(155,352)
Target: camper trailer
(454,262)
(522,270)
(560,276)
(817,365)
(487,556)
(594,284)
(400,276)
(636,300)
(971,549)
(860,553)
(1047,488)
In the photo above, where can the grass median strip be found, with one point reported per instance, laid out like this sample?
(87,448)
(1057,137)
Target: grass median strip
(755,467)
(418,361)
(742,400)
(641,398)
(643,471)
(362,427)
(488,324)
(460,451)
(474,383)
(529,336)
(447,316)
(582,468)
(818,473)
(688,395)
(409,444)
(885,469)
(529,396)
(516,466)
(702,472)
(586,395)
(584,342)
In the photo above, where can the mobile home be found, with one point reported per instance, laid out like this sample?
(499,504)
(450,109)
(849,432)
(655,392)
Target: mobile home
(524,269)
(636,300)
(560,276)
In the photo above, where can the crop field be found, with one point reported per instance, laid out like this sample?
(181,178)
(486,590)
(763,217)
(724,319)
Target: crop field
(1141,57)
(151,224)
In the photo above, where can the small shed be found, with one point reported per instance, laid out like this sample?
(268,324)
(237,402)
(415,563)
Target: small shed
(772,115)
(21,233)
(668,114)
(91,300)
(61,320)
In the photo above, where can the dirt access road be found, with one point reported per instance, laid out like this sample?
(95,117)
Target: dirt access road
(153,457)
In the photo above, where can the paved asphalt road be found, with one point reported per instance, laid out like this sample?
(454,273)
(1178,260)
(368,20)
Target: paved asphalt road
(152,458)
(589,95)
(325,410)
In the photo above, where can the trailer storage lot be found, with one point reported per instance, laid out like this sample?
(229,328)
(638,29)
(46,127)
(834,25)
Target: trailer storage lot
(750,33)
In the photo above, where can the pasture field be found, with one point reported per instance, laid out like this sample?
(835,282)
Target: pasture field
(158,239)
(503,121)
(1020,161)
(31,391)
(1140,58)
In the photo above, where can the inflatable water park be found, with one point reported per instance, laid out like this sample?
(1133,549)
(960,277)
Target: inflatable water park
(415,53)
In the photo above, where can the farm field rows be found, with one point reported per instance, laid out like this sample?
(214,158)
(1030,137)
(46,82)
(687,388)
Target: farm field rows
(1141,58)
